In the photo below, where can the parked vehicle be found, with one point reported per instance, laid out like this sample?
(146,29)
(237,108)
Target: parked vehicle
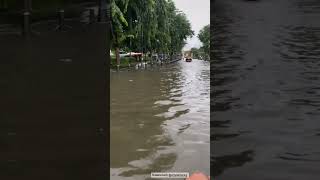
(188,59)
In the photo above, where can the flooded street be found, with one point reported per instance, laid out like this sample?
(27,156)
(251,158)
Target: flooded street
(266,90)
(160,120)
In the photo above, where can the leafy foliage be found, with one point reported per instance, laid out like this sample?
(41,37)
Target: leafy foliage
(149,26)
(204,37)
(118,21)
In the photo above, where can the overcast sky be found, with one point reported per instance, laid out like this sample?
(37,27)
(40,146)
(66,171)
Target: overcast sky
(198,13)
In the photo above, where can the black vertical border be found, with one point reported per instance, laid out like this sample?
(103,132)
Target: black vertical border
(107,87)
(15,163)
(212,26)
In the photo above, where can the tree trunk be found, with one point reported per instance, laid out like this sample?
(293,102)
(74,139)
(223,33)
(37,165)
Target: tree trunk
(118,56)
(130,28)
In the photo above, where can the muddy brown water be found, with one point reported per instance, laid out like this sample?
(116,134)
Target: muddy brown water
(160,120)
(266,90)
(53,107)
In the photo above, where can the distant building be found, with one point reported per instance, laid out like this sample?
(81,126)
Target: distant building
(187,53)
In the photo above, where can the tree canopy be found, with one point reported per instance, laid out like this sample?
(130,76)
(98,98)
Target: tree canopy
(204,37)
(149,26)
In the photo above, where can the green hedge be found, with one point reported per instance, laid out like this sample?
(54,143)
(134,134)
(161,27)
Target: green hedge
(124,62)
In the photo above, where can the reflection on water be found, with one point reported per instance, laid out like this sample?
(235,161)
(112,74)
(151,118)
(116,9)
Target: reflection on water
(160,120)
(266,97)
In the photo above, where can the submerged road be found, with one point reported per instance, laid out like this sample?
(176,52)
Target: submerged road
(266,90)
(160,120)
(53,106)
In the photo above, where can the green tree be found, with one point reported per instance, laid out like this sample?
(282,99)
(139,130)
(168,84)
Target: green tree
(179,29)
(149,26)
(195,52)
(204,37)
(162,36)
(118,23)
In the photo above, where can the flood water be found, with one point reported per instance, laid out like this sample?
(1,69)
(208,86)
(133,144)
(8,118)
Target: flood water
(160,120)
(266,120)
